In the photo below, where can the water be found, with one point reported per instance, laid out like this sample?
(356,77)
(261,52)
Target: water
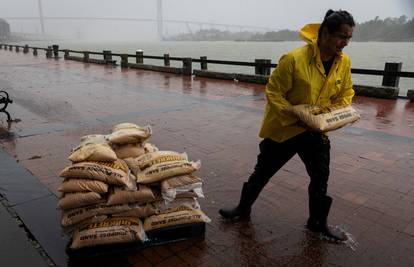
(366,55)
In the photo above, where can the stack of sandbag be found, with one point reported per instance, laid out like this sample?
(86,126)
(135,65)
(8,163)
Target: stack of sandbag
(99,190)
(118,180)
(170,174)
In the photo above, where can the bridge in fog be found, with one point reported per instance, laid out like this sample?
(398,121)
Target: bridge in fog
(159,21)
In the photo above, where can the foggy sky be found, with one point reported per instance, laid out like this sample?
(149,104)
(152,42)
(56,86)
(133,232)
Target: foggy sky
(276,14)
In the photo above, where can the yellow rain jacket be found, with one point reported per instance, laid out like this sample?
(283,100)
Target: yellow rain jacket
(300,78)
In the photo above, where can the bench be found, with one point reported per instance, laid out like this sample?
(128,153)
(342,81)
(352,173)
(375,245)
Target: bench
(4,102)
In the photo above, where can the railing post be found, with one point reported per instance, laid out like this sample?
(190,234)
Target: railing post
(26,49)
(203,63)
(49,52)
(166,60)
(66,54)
(10,48)
(107,55)
(17,49)
(391,79)
(187,66)
(1,46)
(55,51)
(140,56)
(34,51)
(86,56)
(124,61)
(261,68)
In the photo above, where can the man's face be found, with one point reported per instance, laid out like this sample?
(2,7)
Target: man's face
(335,42)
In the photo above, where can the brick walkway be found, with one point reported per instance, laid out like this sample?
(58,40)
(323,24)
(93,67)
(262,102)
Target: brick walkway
(372,169)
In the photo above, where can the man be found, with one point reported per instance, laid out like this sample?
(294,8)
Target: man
(318,73)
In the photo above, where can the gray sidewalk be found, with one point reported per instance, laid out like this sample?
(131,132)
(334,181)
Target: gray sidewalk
(16,248)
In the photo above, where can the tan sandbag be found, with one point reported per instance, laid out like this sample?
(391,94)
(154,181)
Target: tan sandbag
(69,229)
(149,148)
(93,152)
(165,170)
(138,211)
(147,160)
(76,200)
(129,150)
(324,119)
(168,206)
(129,135)
(125,125)
(179,181)
(182,216)
(73,216)
(109,231)
(115,173)
(83,185)
(141,195)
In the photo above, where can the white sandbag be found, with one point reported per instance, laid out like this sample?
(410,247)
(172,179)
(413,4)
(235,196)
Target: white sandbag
(125,125)
(109,231)
(181,184)
(324,119)
(169,206)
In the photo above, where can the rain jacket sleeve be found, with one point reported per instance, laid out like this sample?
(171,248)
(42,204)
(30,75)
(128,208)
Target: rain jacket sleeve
(280,82)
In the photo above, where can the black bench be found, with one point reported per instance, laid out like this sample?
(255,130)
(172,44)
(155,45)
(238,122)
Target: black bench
(4,102)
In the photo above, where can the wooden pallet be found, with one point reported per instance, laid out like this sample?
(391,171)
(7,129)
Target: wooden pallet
(156,238)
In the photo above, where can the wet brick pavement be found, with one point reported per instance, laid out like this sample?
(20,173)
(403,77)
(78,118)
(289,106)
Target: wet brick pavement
(372,163)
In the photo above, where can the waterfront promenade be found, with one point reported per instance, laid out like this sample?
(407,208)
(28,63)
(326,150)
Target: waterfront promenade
(57,101)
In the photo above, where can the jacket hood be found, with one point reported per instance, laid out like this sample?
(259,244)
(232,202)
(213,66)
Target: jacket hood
(309,33)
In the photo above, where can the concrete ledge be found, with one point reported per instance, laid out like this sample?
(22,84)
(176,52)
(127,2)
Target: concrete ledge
(261,79)
(215,74)
(410,95)
(377,91)
(156,68)
(92,60)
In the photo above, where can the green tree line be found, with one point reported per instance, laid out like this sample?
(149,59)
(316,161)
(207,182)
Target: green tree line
(381,30)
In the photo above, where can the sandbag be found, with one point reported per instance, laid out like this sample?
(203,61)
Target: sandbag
(181,184)
(76,200)
(324,119)
(138,211)
(183,215)
(147,160)
(129,135)
(129,150)
(169,206)
(165,170)
(125,125)
(109,231)
(149,148)
(141,195)
(69,229)
(93,152)
(83,185)
(115,173)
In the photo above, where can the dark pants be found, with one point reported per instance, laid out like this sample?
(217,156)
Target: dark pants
(314,151)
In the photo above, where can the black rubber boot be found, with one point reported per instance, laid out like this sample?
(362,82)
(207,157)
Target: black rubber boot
(249,194)
(317,222)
